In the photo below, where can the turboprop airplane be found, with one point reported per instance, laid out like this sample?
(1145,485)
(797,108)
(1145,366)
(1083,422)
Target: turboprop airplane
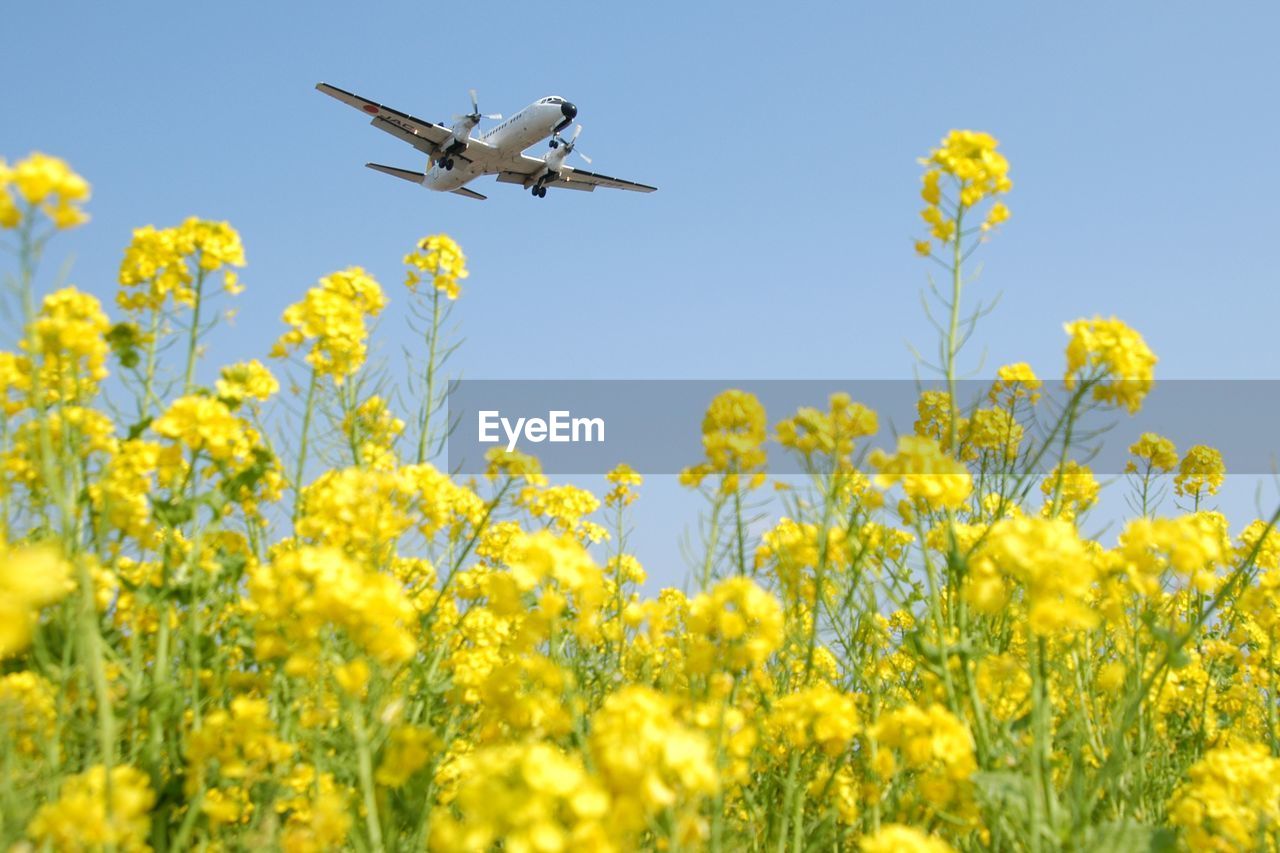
(457,155)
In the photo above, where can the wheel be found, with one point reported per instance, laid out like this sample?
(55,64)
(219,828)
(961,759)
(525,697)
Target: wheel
(542,192)
(554,144)
(448,164)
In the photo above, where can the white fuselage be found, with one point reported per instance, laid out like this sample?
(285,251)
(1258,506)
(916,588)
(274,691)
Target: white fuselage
(510,136)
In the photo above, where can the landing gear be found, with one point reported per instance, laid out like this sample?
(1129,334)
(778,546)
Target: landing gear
(554,144)
(539,191)
(447,163)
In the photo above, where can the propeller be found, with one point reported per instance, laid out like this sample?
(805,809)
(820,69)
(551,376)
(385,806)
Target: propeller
(475,115)
(571,143)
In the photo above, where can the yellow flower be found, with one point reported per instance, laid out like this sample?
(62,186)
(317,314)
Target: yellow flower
(372,429)
(524,796)
(82,818)
(31,578)
(1053,566)
(899,838)
(46,182)
(1113,355)
(1194,545)
(735,627)
(1075,486)
(408,750)
(733,436)
(994,430)
(934,412)
(248,379)
(564,508)
(924,471)
(1005,685)
(1156,451)
(819,716)
(301,595)
(332,316)
(648,760)
(440,258)
(238,744)
(998,213)
(1231,799)
(162,264)
(1201,473)
(27,710)
(975,171)
(830,434)
(623,477)
(204,425)
(1013,382)
(933,744)
(68,340)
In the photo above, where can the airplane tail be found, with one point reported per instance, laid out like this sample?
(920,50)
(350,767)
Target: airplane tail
(403,174)
(416,177)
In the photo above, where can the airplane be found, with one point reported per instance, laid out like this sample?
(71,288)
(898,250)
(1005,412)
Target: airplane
(456,155)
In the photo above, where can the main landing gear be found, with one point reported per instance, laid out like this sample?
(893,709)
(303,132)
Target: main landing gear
(445,163)
(539,191)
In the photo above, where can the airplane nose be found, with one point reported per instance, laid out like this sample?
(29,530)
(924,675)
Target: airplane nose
(569,110)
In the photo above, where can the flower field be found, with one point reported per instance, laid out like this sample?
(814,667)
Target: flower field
(261,614)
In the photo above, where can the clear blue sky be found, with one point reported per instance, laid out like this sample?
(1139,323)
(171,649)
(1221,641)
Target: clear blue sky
(783,138)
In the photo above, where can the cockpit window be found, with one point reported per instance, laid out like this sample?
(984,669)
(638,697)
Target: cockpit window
(552,101)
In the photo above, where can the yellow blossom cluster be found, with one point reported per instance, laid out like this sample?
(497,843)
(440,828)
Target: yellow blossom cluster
(1155,452)
(529,796)
(1231,799)
(924,471)
(1113,357)
(42,183)
(332,317)
(832,433)
(733,436)
(1200,473)
(31,578)
(963,171)
(439,260)
(98,810)
(165,266)
(302,599)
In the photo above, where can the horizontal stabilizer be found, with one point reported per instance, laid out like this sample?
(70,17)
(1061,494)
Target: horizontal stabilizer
(403,174)
(469,193)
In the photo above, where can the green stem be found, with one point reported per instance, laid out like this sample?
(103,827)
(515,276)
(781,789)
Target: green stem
(300,468)
(424,433)
(953,329)
(365,759)
(193,336)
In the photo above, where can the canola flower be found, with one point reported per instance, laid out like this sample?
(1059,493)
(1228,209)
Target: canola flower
(224,629)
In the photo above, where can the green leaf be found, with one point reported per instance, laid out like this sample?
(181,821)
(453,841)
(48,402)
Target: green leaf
(172,513)
(1129,836)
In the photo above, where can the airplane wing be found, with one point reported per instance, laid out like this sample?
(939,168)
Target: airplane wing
(403,174)
(424,135)
(523,170)
(574,178)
